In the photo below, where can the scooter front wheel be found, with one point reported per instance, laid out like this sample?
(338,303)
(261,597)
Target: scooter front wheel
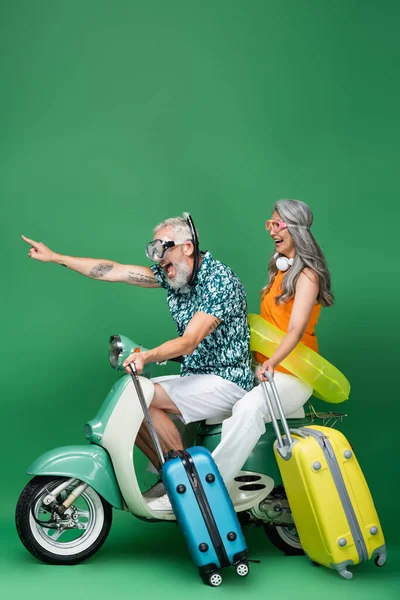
(70,539)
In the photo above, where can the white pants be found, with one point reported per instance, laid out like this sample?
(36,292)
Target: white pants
(198,397)
(241,431)
(201,397)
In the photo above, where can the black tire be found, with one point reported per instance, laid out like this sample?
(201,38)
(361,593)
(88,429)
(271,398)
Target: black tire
(32,534)
(285,538)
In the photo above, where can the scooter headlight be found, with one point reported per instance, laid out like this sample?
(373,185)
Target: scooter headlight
(120,348)
(115,351)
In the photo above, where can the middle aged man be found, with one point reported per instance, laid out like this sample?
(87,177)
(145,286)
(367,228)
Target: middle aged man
(208,304)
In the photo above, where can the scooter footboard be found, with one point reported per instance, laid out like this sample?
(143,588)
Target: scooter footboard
(89,463)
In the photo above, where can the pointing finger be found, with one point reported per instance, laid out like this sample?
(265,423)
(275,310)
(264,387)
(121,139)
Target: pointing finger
(29,241)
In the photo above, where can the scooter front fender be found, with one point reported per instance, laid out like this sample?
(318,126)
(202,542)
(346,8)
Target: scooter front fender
(89,463)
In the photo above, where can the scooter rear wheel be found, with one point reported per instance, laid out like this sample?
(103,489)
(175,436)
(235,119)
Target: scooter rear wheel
(79,536)
(285,538)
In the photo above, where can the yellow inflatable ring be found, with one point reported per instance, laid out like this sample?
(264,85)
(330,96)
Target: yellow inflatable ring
(328,382)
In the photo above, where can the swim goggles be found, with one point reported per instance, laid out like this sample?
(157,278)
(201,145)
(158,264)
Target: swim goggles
(156,249)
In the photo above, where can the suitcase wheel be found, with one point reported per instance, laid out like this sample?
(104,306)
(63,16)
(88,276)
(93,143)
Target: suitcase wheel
(214,579)
(346,574)
(242,569)
(379,560)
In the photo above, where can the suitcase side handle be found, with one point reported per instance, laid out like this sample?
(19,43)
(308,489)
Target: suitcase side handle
(147,417)
(289,439)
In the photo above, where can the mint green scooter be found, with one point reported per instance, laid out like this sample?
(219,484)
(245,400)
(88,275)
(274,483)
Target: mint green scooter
(64,514)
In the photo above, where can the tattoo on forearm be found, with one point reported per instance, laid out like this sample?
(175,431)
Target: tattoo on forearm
(140,278)
(101,269)
(214,325)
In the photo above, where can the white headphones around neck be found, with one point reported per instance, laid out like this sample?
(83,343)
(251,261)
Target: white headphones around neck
(284,263)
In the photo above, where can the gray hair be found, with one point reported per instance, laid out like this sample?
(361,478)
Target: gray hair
(299,218)
(179,226)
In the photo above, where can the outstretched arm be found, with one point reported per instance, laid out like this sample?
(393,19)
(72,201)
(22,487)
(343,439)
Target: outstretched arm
(95,268)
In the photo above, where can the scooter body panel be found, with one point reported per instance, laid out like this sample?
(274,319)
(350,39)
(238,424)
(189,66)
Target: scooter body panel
(116,427)
(89,463)
(94,429)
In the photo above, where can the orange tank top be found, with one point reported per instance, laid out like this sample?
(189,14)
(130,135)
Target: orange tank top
(279,315)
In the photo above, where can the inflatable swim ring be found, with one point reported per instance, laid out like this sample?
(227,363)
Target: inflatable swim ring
(328,382)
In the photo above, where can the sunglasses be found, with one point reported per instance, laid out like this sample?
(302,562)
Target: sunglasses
(274,225)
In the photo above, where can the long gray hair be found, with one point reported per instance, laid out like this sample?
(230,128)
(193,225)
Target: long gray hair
(308,254)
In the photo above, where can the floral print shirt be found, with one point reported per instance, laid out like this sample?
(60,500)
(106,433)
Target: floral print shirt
(218,292)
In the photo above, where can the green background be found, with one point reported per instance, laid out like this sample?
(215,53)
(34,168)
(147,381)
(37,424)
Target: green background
(116,115)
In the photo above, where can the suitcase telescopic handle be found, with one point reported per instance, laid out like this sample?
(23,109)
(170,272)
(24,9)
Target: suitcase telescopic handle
(289,440)
(147,417)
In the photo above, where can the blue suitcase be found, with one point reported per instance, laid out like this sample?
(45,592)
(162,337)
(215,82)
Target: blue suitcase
(205,513)
(201,504)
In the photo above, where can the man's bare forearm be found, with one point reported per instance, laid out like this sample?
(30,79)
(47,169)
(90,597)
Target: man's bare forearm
(171,349)
(139,278)
(96,268)
(108,270)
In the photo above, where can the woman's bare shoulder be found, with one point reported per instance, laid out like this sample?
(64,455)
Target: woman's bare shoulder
(310,274)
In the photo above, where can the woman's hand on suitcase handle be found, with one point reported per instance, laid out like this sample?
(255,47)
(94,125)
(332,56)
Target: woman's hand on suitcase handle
(266,366)
(139,359)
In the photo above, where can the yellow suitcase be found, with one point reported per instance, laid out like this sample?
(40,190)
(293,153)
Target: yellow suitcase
(332,506)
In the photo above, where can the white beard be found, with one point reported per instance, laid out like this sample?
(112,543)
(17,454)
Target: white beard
(179,283)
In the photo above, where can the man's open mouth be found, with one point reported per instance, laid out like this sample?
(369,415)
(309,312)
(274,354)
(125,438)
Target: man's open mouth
(168,268)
